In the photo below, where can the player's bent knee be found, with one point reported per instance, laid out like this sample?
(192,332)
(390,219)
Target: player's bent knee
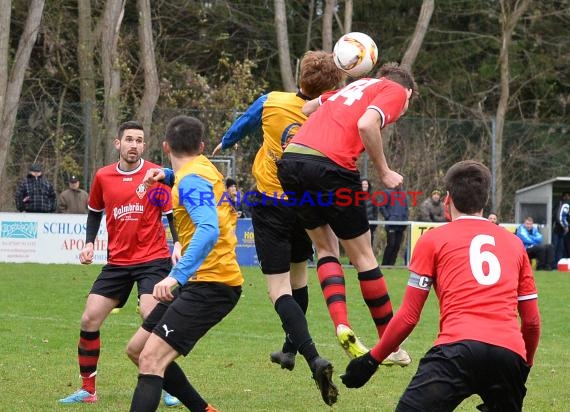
(90,323)
(133,352)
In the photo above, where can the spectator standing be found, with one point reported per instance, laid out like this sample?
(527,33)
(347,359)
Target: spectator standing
(431,209)
(394,209)
(73,199)
(35,194)
(560,236)
(371,209)
(532,239)
(236,198)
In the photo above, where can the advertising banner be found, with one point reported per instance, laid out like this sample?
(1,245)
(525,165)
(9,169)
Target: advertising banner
(419,228)
(47,238)
(58,238)
(245,249)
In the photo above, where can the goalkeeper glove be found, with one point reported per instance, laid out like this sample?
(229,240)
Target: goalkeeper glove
(359,371)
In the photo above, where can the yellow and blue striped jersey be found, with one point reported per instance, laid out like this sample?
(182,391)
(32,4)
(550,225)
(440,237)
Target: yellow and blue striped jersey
(279,116)
(204,219)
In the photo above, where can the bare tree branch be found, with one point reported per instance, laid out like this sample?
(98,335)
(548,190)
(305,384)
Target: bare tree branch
(348,11)
(87,89)
(509,20)
(419,34)
(13,87)
(328,16)
(151,86)
(112,18)
(283,46)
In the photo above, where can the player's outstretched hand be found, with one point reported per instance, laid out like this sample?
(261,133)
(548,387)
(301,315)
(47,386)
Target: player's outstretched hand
(217,149)
(152,176)
(359,371)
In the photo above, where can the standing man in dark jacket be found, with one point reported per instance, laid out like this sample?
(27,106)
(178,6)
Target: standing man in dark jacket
(35,194)
(560,228)
(394,208)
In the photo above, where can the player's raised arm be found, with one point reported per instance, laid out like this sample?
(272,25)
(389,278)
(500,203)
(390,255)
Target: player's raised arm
(369,129)
(248,122)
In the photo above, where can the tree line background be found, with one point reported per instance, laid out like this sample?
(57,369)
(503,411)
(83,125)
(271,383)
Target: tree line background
(493,77)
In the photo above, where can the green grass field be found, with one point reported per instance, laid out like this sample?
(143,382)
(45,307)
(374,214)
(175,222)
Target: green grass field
(40,307)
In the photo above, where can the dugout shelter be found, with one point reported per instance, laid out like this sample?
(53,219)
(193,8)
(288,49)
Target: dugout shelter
(540,201)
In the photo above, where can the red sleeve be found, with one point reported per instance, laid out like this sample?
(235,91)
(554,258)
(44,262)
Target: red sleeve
(390,103)
(527,285)
(96,202)
(530,326)
(402,324)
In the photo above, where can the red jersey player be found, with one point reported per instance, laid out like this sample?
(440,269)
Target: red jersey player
(482,277)
(137,252)
(319,162)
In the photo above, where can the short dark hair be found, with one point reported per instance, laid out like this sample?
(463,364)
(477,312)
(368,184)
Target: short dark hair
(399,74)
(468,183)
(131,124)
(184,135)
(230,182)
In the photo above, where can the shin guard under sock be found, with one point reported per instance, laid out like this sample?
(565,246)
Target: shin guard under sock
(88,350)
(301,296)
(295,326)
(177,384)
(331,278)
(146,397)
(375,293)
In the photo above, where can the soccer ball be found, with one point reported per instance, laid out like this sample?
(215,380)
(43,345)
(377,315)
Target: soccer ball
(355,54)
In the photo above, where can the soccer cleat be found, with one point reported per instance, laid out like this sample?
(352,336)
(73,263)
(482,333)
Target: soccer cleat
(210,408)
(285,359)
(169,400)
(349,342)
(80,396)
(322,374)
(400,358)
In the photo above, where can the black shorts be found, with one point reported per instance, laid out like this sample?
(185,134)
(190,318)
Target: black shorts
(279,236)
(116,281)
(198,307)
(450,373)
(324,194)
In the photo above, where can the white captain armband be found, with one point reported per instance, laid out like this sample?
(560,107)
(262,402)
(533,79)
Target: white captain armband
(420,282)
